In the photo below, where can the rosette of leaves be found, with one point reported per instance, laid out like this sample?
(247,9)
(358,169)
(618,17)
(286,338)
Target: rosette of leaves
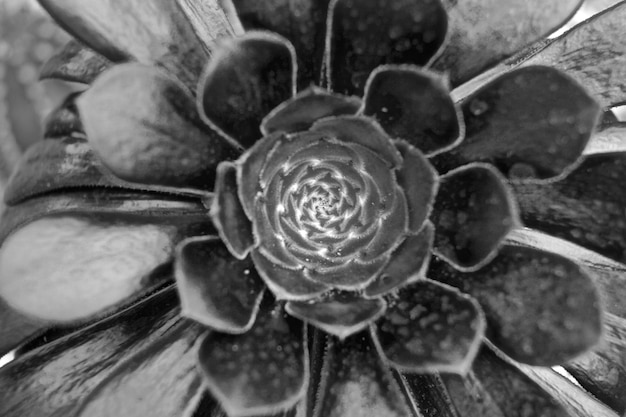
(281,208)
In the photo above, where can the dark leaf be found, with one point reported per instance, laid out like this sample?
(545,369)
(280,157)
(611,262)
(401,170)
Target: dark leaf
(340,314)
(64,120)
(286,284)
(246,78)
(264,370)
(532,123)
(366,34)
(419,181)
(216,289)
(308,106)
(474,210)
(415,105)
(149,32)
(541,308)
(228,214)
(429,327)
(483,32)
(586,207)
(408,263)
(356,382)
(160,380)
(303,22)
(54,378)
(157,137)
(362,131)
(493,388)
(75,63)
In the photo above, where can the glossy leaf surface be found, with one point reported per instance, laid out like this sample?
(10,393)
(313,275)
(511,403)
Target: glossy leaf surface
(586,207)
(414,105)
(483,32)
(261,371)
(157,137)
(532,123)
(364,35)
(75,63)
(216,289)
(541,308)
(356,382)
(473,212)
(245,79)
(303,22)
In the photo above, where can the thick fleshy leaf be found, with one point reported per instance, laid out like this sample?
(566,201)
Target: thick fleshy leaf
(353,275)
(592,54)
(72,265)
(228,214)
(261,371)
(55,377)
(586,207)
(53,165)
(577,401)
(492,388)
(149,32)
(474,210)
(430,327)
(130,389)
(64,120)
(16,328)
(157,137)
(246,78)
(216,289)
(286,284)
(303,22)
(483,32)
(415,105)
(363,35)
(532,123)
(362,131)
(308,106)
(356,382)
(603,370)
(420,183)
(341,314)
(611,137)
(407,263)
(541,308)
(75,63)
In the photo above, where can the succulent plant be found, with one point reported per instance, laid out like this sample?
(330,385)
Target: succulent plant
(329,208)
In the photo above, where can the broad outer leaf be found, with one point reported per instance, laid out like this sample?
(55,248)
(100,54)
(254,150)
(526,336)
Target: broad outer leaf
(365,34)
(592,54)
(541,308)
(216,289)
(75,63)
(77,263)
(261,371)
(356,382)
(429,327)
(474,210)
(586,207)
(483,32)
(155,32)
(246,78)
(159,380)
(156,137)
(54,378)
(493,388)
(532,123)
(303,22)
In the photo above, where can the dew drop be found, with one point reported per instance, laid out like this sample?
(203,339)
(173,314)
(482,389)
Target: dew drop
(478,107)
